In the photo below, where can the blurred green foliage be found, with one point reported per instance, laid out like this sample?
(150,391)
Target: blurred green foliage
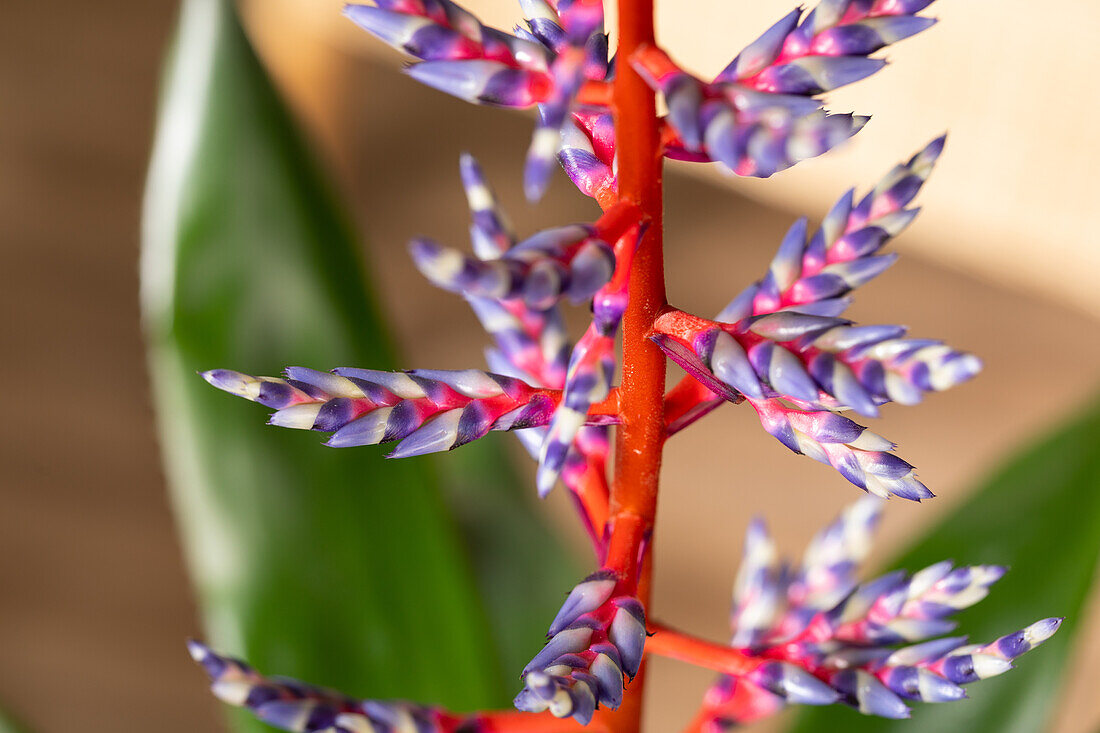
(334,566)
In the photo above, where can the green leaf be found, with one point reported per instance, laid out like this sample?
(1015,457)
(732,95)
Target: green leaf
(333,566)
(8,724)
(1040,515)
(522,569)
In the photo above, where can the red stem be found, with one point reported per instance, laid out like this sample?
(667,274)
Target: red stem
(511,721)
(687,402)
(668,642)
(641,434)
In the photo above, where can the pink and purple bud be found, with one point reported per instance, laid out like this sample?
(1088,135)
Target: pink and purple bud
(485,82)
(760,144)
(581,18)
(428,410)
(439,30)
(544,23)
(567,71)
(587,153)
(490,230)
(858,454)
(967,664)
(597,637)
(588,380)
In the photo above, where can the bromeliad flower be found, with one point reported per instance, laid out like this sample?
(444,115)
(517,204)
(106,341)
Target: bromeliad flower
(808,634)
(428,410)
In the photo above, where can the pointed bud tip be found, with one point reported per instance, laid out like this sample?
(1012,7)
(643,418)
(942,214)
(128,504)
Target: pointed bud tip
(1040,631)
(197,649)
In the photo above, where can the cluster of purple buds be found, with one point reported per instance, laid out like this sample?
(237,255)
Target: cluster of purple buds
(596,638)
(817,619)
(562,262)
(587,152)
(514,289)
(300,708)
(543,65)
(428,410)
(825,48)
(760,115)
(858,454)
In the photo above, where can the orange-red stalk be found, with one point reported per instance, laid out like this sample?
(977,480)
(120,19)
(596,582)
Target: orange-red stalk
(641,433)
(512,721)
(668,642)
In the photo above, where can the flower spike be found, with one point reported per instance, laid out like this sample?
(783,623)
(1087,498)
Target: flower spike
(429,410)
(587,153)
(846,646)
(596,638)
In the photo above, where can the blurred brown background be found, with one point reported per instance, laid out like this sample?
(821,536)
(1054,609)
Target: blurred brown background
(95,602)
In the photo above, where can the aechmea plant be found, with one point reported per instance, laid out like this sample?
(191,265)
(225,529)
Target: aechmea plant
(809,634)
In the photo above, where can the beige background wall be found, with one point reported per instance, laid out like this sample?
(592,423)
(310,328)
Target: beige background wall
(1014,83)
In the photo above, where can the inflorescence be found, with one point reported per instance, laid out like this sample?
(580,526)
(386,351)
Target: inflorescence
(808,633)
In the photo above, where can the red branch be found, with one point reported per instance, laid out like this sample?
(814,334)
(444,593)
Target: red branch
(641,434)
(511,721)
(668,642)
